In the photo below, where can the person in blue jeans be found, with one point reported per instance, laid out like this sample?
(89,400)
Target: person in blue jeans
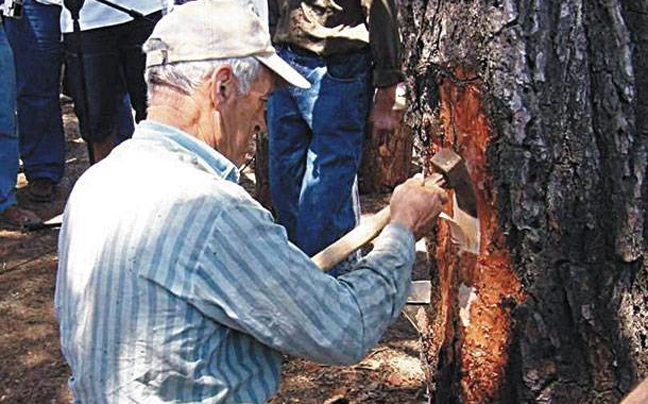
(345,49)
(9,210)
(36,43)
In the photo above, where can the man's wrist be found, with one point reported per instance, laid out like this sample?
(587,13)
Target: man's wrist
(404,219)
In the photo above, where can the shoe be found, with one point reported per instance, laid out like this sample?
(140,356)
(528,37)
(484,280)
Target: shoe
(41,190)
(22,218)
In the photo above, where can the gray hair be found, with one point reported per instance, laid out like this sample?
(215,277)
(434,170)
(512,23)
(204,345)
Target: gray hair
(187,76)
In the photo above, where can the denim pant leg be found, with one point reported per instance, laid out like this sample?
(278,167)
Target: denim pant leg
(289,137)
(36,43)
(8,135)
(339,121)
(316,138)
(289,133)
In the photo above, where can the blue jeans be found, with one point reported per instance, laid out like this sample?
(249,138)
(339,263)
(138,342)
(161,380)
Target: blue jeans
(36,43)
(315,144)
(8,135)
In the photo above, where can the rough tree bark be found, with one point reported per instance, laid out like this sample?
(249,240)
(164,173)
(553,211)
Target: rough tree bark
(548,103)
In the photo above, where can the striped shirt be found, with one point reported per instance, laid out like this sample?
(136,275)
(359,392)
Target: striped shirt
(174,285)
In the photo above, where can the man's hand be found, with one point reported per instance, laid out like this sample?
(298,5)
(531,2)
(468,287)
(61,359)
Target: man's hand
(382,122)
(416,206)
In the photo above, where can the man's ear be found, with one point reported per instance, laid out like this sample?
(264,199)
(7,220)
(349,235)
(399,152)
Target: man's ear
(223,86)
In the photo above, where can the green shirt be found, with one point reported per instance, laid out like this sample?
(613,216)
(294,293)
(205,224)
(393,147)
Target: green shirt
(329,27)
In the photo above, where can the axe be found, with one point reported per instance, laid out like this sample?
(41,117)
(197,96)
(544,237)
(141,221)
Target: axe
(464,225)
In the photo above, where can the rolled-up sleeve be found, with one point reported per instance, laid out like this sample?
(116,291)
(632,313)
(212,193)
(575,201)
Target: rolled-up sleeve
(253,280)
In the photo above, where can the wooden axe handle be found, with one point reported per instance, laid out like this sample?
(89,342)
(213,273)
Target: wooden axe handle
(361,235)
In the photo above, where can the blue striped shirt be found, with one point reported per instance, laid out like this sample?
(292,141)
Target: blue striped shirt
(174,285)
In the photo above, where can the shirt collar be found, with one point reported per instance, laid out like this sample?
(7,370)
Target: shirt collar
(212,158)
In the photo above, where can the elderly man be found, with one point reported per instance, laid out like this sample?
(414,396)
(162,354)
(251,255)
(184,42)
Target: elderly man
(174,285)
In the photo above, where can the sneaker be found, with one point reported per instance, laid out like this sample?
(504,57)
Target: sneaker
(41,190)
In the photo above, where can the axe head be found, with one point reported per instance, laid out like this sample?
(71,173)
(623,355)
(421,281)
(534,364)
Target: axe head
(420,292)
(465,223)
(452,166)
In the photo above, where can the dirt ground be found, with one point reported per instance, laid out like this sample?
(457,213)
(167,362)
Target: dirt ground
(32,369)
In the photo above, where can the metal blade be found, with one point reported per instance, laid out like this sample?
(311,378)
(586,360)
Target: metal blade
(420,292)
(464,229)
(454,168)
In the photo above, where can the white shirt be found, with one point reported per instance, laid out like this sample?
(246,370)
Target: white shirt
(96,15)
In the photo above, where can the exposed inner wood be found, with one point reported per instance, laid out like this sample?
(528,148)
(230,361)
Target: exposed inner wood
(473,324)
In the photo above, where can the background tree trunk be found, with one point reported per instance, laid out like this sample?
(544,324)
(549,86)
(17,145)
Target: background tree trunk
(547,101)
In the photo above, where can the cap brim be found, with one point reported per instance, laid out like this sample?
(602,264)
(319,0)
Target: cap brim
(273,62)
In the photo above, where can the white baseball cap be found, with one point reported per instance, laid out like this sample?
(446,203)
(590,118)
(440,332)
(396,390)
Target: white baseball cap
(217,29)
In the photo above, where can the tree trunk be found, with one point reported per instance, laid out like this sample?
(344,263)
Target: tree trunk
(547,101)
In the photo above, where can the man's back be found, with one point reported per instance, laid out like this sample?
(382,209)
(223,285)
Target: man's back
(174,285)
(127,328)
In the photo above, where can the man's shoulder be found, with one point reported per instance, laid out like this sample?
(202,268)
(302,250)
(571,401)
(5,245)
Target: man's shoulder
(150,175)
(151,169)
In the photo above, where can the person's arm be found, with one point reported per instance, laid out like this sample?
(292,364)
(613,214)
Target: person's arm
(253,280)
(384,41)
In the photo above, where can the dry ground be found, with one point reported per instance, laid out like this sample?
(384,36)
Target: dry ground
(32,369)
